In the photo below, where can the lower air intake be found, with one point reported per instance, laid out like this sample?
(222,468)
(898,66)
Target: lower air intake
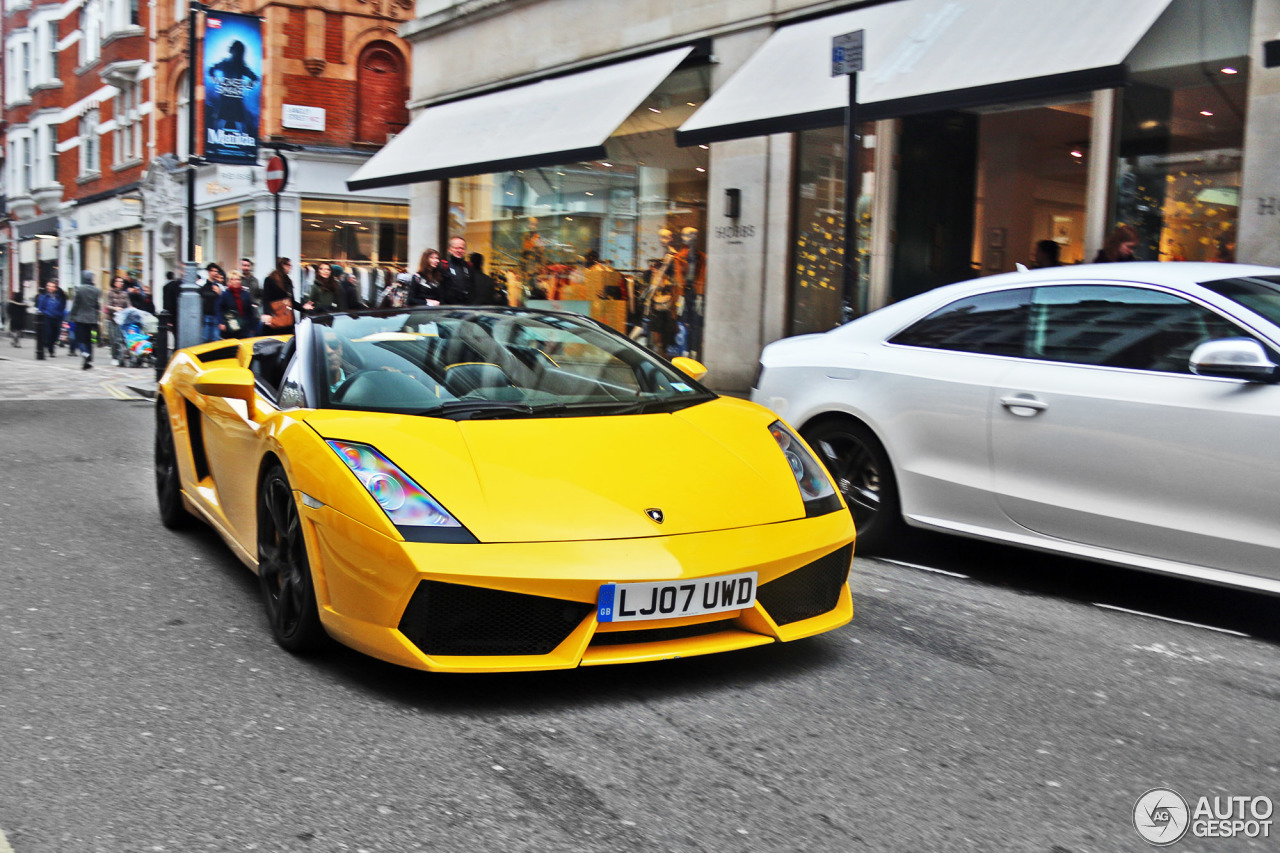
(451,619)
(808,591)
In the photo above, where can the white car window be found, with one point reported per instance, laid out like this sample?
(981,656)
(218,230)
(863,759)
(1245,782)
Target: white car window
(991,323)
(1118,326)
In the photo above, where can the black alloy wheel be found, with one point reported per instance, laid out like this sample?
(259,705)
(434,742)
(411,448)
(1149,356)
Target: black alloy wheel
(173,514)
(861,470)
(284,572)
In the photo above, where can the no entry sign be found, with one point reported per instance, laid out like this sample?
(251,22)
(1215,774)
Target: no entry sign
(277,174)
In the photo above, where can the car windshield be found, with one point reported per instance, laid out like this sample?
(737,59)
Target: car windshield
(1259,293)
(497,363)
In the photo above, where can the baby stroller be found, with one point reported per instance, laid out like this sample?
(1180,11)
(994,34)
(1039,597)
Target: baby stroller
(136,328)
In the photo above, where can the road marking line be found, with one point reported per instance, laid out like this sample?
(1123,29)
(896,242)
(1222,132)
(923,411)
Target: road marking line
(119,395)
(924,568)
(1170,619)
(4,843)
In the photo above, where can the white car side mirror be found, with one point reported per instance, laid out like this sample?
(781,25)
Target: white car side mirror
(1233,358)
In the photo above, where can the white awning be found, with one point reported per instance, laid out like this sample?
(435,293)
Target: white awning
(926,55)
(558,120)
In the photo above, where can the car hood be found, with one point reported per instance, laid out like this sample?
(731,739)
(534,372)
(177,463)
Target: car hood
(713,466)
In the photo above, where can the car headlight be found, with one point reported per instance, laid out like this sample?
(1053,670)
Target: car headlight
(418,516)
(816,489)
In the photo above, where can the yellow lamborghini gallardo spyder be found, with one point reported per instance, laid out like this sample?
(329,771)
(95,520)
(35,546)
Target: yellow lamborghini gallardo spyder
(484,489)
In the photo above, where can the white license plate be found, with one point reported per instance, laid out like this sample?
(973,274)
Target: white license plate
(633,602)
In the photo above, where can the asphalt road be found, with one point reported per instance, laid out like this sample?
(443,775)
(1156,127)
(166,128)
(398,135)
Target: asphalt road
(144,707)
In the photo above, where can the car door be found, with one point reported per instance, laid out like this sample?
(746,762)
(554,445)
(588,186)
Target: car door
(928,394)
(1106,438)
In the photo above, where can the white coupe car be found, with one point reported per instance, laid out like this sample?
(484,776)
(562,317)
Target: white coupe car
(1125,413)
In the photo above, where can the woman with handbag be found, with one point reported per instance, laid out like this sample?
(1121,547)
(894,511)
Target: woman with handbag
(277,300)
(237,315)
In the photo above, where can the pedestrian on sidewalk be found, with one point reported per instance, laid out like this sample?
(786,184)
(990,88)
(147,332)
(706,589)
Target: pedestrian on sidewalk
(250,281)
(117,300)
(215,278)
(236,310)
(84,313)
(277,300)
(50,309)
(17,310)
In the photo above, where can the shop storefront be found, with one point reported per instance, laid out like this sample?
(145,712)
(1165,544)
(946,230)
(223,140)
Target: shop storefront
(236,217)
(37,254)
(990,166)
(988,131)
(618,235)
(618,238)
(368,240)
(108,238)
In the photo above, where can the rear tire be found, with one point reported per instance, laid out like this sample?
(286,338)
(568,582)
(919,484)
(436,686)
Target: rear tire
(173,514)
(862,472)
(284,572)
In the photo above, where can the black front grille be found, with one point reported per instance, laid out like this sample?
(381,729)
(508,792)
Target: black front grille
(657,635)
(450,619)
(808,591)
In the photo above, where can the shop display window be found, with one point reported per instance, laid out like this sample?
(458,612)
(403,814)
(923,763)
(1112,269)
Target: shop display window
(370,241)
(1181,154)
(818,300)
(621,239)
(1031,186)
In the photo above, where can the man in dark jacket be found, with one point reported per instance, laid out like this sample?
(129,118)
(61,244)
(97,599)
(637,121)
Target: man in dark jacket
(84,313)
(209,293)
(459,287)
(169,297)
(51,308)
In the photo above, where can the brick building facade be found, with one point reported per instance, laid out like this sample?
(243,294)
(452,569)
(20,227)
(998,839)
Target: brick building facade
(95,140)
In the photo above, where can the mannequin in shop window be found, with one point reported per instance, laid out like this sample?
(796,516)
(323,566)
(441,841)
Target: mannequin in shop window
(693,282)
(532,261)
(660,303)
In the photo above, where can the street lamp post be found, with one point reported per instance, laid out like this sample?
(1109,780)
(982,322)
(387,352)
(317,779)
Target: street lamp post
(189,314)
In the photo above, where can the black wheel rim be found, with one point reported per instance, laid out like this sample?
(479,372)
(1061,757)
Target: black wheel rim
(282,560)
(856,472)
(166,461)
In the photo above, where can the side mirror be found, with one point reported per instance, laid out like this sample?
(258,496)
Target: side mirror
(1233,358)
(233,382)
(695,370)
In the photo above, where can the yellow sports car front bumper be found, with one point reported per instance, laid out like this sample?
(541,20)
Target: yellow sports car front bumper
(532,606)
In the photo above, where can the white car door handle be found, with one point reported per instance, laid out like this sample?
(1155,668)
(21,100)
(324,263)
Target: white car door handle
(1025,407)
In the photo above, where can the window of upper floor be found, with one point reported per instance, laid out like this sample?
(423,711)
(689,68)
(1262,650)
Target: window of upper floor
(128,130)
(90,32)
(90,153)
(19,75)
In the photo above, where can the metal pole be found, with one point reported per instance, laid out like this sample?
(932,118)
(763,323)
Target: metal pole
(852,178)
(189,313)
(276,253)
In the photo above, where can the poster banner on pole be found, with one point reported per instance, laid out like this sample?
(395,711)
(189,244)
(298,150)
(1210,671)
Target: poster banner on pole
(233,87)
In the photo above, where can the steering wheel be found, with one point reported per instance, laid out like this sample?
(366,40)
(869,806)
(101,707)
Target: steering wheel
(338,393)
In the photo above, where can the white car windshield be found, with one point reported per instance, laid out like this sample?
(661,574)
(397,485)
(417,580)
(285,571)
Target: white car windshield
(468,364)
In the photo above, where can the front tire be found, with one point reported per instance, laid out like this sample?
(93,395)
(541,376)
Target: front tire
(284,572)
(862,472)
(173,514)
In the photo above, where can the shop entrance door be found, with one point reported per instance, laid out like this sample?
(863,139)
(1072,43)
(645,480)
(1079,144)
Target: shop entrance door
(934,220)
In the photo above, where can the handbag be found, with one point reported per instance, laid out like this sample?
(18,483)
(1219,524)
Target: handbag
(279,314)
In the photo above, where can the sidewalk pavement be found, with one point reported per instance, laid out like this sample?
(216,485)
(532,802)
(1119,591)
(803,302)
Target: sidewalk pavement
(24,377)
